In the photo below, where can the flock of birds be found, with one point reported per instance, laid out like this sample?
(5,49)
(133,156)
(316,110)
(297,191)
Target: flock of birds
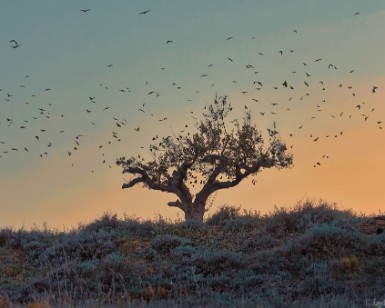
(42,139)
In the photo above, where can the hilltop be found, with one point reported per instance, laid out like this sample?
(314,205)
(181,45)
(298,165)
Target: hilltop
(313,255)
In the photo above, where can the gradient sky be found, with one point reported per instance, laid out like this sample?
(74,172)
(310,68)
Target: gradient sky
(69,52)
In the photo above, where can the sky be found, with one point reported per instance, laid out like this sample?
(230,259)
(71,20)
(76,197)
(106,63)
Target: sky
(73,83)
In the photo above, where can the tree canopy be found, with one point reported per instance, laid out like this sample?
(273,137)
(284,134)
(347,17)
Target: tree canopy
(219,155)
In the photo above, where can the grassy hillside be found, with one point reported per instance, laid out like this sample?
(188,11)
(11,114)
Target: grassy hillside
(310,256)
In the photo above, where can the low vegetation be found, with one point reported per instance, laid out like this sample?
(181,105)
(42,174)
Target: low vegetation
(312,255)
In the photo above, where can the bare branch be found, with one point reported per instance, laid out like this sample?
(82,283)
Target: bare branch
(177,204)
(146,180)
(133,182)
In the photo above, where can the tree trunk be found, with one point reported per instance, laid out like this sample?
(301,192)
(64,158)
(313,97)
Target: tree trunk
(195,211)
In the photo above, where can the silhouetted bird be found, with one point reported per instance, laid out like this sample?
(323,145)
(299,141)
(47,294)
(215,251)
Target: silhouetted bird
(14,44)
(144,12)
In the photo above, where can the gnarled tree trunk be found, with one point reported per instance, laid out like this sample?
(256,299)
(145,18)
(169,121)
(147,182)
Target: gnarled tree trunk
(193,211)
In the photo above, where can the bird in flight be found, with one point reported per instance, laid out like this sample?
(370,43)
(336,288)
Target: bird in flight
(144,12)
(85,10)
(14,44)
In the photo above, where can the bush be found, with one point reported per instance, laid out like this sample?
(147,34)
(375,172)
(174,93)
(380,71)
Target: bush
(166,243)
(305,216)
(375,245)
(83,246)
(214,263)
(107,222)
(223,215)
(259,241)
(326,240)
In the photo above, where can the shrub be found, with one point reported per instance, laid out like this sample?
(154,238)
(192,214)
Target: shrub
(185,251)
(105,223)
(305,216)
(214,263)
(5,235)
(375,245)
(347,265)
(166,243)
(259,241)
(223,215)
(326,240)
(82,246)
(242,224)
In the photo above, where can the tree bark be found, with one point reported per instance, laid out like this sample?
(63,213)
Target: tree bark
(195,212)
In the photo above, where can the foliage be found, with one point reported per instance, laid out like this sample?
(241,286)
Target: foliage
(313,255)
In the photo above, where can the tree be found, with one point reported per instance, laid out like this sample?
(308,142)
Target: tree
(219,155)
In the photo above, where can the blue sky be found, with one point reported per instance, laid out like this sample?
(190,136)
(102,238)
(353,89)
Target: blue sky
(68,51)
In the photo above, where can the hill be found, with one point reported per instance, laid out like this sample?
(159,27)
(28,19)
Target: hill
(312,255)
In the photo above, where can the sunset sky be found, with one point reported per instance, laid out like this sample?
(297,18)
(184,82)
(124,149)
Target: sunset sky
(71,78)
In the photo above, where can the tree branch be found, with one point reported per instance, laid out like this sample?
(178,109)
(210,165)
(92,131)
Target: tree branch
(133,182)
(145,179)
(180,174)
(177,204)
(239,176)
